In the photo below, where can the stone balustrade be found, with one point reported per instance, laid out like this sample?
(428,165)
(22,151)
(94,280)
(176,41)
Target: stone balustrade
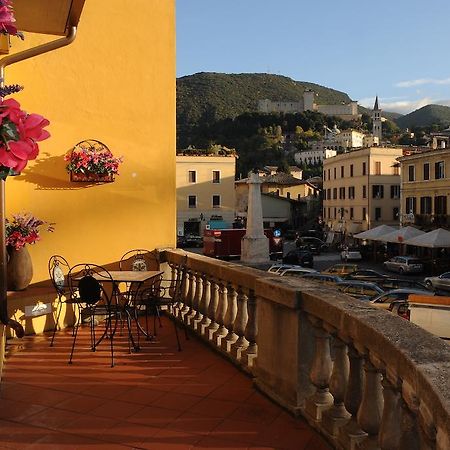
(361,376)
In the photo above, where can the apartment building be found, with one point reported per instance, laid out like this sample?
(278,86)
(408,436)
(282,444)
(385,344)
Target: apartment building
(425,188)
(205,192)
(361,189)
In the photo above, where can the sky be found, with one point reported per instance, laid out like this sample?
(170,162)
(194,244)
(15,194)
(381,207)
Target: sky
(396,49)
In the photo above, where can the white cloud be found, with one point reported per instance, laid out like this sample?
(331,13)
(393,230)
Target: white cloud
(400,105)
(422,81)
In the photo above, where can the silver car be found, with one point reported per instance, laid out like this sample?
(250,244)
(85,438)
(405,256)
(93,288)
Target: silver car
(440,282)
(404,264)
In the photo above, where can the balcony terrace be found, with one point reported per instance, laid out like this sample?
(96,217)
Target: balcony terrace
(360,377)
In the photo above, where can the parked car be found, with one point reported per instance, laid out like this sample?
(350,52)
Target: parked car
(189,241)
(289,235)
(300,257)
(351,255)
(362,290)
(315,245)
(297,272)
(278,268)
(327,279)
(366,275)
(441,282)
(385,299)
(341,269)
(404,264)
(388,284)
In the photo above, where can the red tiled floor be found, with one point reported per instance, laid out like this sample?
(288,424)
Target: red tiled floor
(157,398)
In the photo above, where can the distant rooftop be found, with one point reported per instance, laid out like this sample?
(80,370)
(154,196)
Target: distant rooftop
(214,150)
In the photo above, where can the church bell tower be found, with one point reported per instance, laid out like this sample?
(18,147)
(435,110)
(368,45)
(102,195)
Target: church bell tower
(376,117)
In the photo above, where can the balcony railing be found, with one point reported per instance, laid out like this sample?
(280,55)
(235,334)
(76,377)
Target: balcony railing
(359,375)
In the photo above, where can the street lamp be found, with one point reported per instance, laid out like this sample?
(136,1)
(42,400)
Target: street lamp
(56,17)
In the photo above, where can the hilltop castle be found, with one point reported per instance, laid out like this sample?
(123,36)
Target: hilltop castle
(347,111)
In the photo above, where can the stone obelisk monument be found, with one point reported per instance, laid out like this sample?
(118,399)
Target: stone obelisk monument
(254,245)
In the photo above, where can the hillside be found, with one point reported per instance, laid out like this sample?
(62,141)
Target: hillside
(218,95)
(425,116)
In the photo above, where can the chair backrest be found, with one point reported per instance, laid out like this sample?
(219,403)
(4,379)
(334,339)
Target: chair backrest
(93,283)
(58,268)
(180,282)
(139,260)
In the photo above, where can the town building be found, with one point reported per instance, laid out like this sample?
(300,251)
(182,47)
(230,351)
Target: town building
(346,111)
(205,192)
(350,139)
(315,155)
(361,189)
(425,188)
(440,139)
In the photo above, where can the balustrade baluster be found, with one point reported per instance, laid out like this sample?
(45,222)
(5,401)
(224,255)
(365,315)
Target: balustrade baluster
(203,306)
(320,373)
(220,315)
(338,416)
(173,279)
(187,310)
(230,317)
(251,331)
(390,434)
(371,407)
(212,310)
(351,434)
(408,428)
(197,316)
(239,326)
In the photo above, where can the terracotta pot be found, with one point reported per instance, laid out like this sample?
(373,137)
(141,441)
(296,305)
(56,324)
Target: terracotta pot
(19,269)
(91,177)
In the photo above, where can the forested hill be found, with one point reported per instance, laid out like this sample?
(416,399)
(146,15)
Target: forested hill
(211,96)
(426,116)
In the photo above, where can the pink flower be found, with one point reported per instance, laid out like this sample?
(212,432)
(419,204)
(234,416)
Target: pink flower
(11,108)
(32,126)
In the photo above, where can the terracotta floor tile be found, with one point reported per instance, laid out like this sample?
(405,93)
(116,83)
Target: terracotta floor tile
(116,409)
(154,416)
(141,396)
(170,440)
(190,423)
(18,411)
(81,403)
(177,401)
(210,407)
(223,444)
(238,430)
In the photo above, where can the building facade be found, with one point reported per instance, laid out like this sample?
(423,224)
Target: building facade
(361,189)
(205,193)
(425,188)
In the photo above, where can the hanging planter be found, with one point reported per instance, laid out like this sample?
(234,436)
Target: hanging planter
(91,161)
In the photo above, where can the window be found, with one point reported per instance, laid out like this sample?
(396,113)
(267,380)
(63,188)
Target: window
(439,171)
(411,173)
(377,213)
(351,213)
(216,176)
(335,173)
(329,194)
(324,195)
(288,195)
(364,214)
(324,213)
(192,174)
(334,193)
(440,204)
(342,193)
(396,169)
(329,174)
(324,175)
(426,171)
(377,167)
(342,171)
(351,170)
(425,205)
(377,191)
(351,192)
(335,213)
(364,191)
(395,191)
(410,205)
(216,201)
(395,213)
(329,213)
(364,168)
(192,201)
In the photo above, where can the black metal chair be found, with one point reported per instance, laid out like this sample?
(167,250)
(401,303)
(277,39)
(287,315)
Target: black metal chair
(166,295)
(96,299)
(58,268)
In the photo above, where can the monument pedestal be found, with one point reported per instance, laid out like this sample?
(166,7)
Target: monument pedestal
(255,249)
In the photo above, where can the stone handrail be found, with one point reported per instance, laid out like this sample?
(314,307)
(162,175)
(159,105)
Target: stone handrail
(361,376)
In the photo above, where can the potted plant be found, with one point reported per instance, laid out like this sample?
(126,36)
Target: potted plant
(21,230)
(92,161)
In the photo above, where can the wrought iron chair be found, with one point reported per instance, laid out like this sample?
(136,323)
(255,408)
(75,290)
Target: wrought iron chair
(140,260)
(58,268)
(96,299)
(167,295)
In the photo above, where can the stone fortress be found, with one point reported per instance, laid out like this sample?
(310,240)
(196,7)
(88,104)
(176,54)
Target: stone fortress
(346,111)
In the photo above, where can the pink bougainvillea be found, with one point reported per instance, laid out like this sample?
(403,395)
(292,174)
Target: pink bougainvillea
(7,19)
(24,229)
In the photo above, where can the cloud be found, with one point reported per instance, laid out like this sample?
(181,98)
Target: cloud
(400,105)
(422,81)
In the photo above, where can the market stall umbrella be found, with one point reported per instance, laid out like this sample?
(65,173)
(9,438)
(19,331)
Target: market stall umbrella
(401,235)
(374,233)
(438,238)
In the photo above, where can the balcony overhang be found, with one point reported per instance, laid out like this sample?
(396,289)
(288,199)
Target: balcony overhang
(47,16)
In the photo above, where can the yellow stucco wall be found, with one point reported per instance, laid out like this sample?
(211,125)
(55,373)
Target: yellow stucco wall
(115,83)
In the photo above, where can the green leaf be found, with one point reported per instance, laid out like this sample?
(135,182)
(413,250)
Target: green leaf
(9,130)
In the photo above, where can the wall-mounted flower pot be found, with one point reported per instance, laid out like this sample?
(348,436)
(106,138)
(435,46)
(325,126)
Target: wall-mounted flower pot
(91,177)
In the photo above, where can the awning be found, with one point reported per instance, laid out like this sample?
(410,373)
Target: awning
(434,239)
(354,228)
(374,233)
(401,235)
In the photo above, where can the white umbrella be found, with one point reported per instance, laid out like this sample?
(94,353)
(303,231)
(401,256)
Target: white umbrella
(401,235)
(434,239)
(374,233)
